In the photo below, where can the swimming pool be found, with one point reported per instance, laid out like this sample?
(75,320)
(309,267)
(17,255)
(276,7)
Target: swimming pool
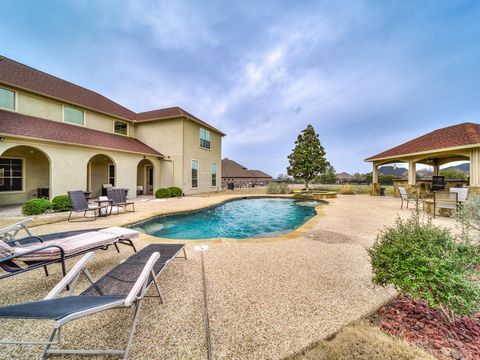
(239,219)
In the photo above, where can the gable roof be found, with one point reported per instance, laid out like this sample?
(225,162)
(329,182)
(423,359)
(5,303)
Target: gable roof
(30,79)
(232,169)
(12,123)
(457,135)
(171,112)
(344,175)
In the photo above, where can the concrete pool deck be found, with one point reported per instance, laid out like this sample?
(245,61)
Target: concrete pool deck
(266,300)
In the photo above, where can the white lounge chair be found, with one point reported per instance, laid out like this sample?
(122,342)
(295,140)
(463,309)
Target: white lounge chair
(124,286)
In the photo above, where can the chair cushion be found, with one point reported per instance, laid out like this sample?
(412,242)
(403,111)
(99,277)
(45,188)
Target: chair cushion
(123,233)
(71,245)
(5,250)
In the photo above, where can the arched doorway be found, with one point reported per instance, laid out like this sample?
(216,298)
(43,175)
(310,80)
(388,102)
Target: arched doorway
(145,177)
(100,171)
(24,174)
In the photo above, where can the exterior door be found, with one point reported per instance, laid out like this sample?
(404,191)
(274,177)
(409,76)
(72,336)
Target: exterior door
(149,179)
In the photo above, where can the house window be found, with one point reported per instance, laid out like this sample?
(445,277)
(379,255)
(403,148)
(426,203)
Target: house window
(7,99)
(73,116)
(194,174)
(111,174)
(120,127)
(204,138)
(214,174)
(11,174)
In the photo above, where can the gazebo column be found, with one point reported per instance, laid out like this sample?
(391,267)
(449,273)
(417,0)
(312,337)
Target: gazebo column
(475,170)
(375,185)
(412,173)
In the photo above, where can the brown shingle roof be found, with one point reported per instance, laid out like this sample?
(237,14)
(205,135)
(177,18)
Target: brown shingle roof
(452,136)
(232,169)
(12,123)
(170,113)
(25,77)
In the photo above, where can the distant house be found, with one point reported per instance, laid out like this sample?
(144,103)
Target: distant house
(344,177)
(238,175)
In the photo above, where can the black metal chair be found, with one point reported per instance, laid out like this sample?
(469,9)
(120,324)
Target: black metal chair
(80,204)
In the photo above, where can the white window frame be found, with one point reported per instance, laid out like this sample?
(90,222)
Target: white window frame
(24,175)
(123,122)
(216,174)
(76,108)
(15,99)
(198,173)
(200,138)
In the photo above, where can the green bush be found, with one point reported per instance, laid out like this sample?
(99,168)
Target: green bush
(162,193)
(427,262)
(61,203)
(175,191)
(283,188)
(36,206)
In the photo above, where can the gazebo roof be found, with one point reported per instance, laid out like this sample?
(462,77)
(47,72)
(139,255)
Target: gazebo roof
(465,134)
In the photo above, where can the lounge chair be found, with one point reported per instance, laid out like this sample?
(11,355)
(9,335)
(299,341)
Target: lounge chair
(80,204)
(445,200)
(408,199)
(119,200)
(124,286)
(10,232)
(21,255)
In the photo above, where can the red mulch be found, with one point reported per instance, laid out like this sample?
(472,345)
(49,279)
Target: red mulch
(425,327)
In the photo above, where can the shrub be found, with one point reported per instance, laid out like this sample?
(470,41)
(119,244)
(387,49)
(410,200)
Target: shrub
(427,262)
(36,206)
(347,190)
(283,188)
(468,216)
(162,193)
(175,191)
(61,203)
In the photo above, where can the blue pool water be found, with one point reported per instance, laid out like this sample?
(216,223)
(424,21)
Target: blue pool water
(235,219)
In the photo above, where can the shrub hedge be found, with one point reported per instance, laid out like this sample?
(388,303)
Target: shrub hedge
(175,191)
(172,191)
(36,206)
(61,203)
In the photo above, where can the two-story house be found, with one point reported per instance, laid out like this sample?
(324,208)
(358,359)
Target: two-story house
(56,136)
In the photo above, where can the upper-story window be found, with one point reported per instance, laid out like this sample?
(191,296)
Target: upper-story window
(120,127)
(73,116)
(7,99)
(204,138)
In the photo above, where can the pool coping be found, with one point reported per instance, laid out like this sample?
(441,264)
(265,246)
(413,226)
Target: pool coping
(296,233)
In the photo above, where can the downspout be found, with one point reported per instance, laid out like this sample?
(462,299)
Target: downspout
(183,155)
(173,168)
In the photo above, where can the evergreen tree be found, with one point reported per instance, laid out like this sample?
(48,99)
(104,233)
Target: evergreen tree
(307,159)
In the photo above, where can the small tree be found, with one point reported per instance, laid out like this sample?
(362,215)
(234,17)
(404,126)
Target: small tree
(307,159)
(453,174)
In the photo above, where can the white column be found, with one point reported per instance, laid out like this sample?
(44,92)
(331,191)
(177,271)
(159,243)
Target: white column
(412,173)
(475,167)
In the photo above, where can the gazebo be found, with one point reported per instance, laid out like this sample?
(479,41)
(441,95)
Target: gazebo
(439,147)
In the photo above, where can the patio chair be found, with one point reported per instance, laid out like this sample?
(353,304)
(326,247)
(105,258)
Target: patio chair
(125,286)
(80,204)
(444,200)
(21,255)
(462,193)
(119,200)
(408,199)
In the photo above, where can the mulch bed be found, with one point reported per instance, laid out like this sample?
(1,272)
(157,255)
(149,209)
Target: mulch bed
(425,327)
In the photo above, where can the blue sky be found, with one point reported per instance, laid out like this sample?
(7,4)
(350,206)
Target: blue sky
(367,74)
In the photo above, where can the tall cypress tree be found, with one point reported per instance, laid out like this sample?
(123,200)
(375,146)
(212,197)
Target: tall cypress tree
(307,159)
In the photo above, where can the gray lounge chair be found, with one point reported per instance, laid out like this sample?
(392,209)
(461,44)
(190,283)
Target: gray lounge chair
(119,200)
(9,232)
(80,204)
(408,199)
(124,286)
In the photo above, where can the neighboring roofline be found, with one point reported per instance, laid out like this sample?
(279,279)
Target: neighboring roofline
(393,157)
(7,135)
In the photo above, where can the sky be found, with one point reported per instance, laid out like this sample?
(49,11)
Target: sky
(368,75)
